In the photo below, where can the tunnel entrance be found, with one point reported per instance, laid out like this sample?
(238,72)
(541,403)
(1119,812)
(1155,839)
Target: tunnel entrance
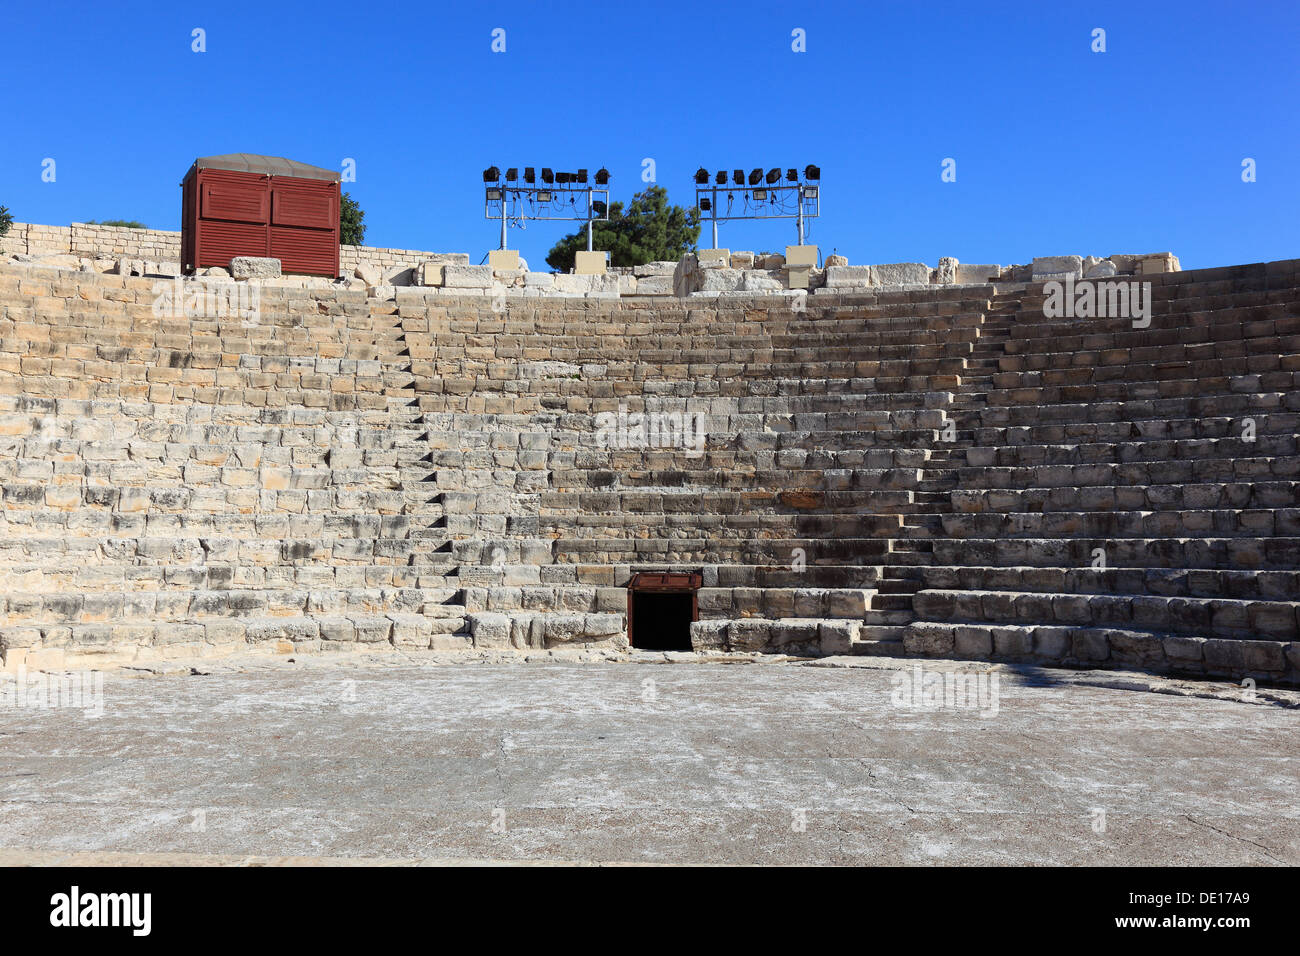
(660,609)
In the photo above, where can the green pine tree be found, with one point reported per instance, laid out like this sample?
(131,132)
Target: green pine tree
(352,224)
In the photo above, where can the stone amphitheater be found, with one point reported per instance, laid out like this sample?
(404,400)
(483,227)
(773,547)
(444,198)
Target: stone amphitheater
(920,471)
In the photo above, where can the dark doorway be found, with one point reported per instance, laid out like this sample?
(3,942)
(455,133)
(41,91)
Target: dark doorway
(661,620)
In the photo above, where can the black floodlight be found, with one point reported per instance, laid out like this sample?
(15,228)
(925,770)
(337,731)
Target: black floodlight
(602,176)
(812,172)
(491,175)
(530,174)
(563,178)
(582,176)
(755,177)
(548,176)
(706,204)
(792,175)
(512,174)
(738,177)
(598,208)
(773,176)
(721,178)
(702,176)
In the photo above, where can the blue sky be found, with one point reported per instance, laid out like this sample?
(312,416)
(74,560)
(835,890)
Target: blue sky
(1058,149)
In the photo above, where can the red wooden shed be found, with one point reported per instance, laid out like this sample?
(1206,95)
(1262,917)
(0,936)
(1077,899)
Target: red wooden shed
(246,205)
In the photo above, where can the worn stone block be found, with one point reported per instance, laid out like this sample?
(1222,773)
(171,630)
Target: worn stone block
(254,267)
(467,277)
(1057,267)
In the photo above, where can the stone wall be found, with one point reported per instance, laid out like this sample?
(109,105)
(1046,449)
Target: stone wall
(156,252)
(92,242)
(85,240)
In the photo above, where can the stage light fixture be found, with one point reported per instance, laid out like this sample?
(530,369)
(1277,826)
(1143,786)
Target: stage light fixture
(765,186)
(545,196)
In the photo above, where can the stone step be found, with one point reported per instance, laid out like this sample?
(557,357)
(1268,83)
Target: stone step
(1169,582)
(792,635)
(892,601)
(1115,524)
(1106,647)
(93,645)
(1138,428)
(879,640)
(816,551)
(888,617)
(1124,498)
(1012,463)
(723,528)
(521,630)
(1205,617)
(1278,552)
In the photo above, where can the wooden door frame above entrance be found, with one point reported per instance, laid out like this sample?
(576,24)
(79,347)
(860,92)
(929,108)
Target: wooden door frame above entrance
(663,582)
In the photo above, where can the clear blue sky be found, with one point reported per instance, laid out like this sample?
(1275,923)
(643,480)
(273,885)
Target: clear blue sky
(1058,149)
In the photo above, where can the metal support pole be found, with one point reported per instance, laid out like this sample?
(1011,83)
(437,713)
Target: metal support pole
(800,218)
(503,218)
(715,217)
(589,220)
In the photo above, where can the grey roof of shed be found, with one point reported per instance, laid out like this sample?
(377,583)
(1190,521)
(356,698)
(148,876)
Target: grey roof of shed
(266,165)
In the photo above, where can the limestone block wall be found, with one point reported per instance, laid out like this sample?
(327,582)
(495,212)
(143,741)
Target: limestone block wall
(164,246)
(154,251)
(397,266)
(92,241)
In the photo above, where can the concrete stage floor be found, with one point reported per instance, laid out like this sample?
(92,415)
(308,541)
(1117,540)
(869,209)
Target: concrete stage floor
(648,760)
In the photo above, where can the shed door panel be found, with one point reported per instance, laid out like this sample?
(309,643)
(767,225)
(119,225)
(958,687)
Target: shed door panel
(307,207)
(293,207)
(305,251)
(219,242)
(234,203)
